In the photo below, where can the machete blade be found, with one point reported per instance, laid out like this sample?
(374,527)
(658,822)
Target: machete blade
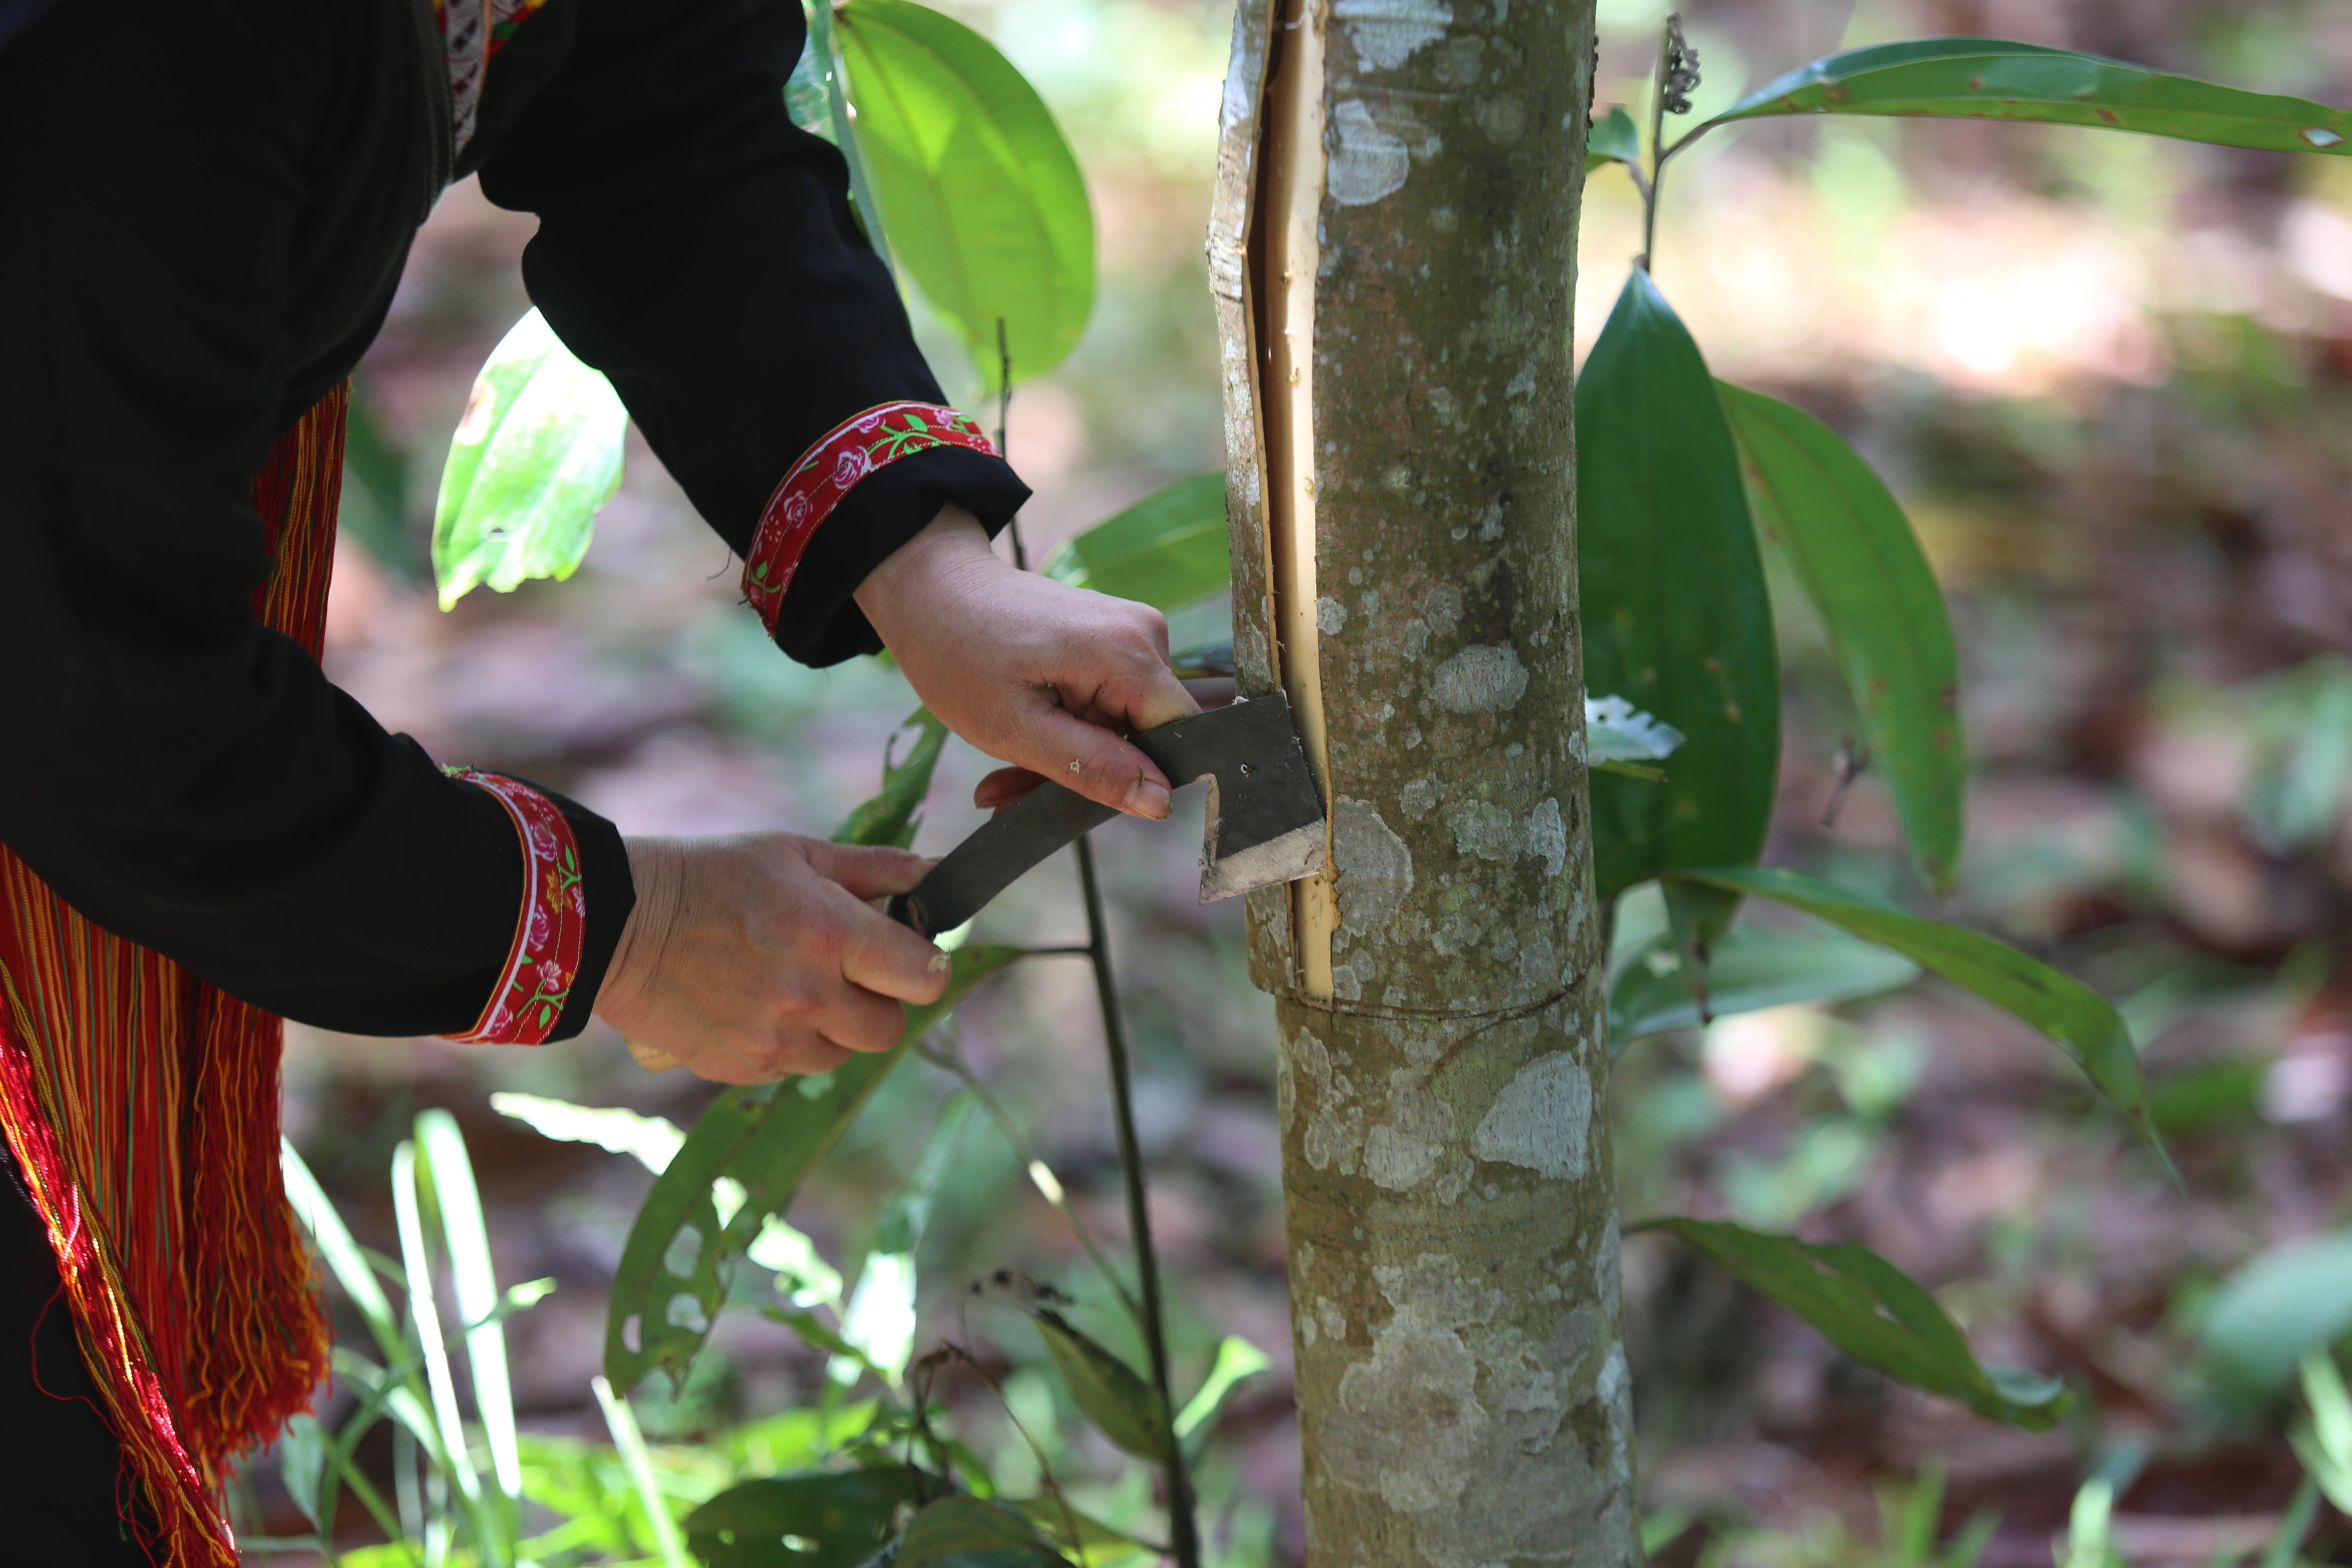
(1264,818)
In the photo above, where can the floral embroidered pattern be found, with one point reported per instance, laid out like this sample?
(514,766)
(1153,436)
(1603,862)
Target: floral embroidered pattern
(551,929)
(472,31)
(846,454)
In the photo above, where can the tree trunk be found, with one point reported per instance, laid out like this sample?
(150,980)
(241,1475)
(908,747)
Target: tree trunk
(1392,251)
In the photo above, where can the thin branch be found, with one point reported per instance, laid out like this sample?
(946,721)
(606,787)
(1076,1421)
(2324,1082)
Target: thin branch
(1182,1528)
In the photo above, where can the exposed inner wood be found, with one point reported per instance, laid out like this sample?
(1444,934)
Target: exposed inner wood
(1293,166)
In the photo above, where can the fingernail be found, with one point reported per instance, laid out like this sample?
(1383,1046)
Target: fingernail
(941,963)
(1148,797)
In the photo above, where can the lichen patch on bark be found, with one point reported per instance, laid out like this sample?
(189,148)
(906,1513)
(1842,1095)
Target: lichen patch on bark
(1461,1424)
(1542,1120)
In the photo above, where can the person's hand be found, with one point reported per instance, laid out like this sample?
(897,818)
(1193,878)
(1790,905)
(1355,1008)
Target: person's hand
(1034,672)
(751,957)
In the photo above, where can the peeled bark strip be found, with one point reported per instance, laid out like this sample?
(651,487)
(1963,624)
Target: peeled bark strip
(1392,250)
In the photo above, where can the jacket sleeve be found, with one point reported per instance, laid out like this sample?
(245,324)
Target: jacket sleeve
(184,777)
(698,248)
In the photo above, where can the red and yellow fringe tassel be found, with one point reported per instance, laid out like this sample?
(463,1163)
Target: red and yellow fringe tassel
(141,1106)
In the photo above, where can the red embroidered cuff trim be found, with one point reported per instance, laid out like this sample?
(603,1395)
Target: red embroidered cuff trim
(826,472)
(551,929)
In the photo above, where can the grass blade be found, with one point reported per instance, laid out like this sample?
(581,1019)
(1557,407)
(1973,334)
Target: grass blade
(631,1442)
(471,1273)
(424,1316)
(342,1255)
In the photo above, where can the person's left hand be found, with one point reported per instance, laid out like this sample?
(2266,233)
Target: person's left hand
(1034,672)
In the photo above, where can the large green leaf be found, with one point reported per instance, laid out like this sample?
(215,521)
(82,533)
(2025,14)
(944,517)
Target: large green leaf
(1677,617)
(1862,569)
(1752,967)
(981,193)
(968,1533)
(839,1519)
(1113,1396)
(537,454)
(1999,79)
(2289,1300)
(1875,1314)
(2077,1018)
(1167,550)
(765,1139)
(756,1144)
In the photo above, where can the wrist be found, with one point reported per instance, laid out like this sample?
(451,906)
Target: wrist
(657,871)
(935,566)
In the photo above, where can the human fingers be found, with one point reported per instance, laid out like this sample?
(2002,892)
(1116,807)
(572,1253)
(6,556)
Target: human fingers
(1141,695)
(866,871)
(1091,760)
(802,1055)
(884,960)
(1002,788)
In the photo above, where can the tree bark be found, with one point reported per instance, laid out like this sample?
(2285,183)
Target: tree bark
(1392,253)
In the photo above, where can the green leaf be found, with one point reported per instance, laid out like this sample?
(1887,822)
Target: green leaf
(302,1463)
(342,1255)
(1751,968)
(651,1141)
(1677,617)
(2324,1443)
(765,1138)
(2289,1300)
(837,1520)
(966,1532)
(1613,140)
(889,817)
(1861,567)
(1875,1314)
(1997,78)
(622,1422)
(1110,1392)
(2077,1018)
(979,191)
(1086,1538)
(817,1337)
(441,1149)
(1167,550)
(537,455)
(1237,1359)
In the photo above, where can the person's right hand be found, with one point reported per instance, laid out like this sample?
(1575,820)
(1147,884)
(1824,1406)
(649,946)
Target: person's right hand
(752,957)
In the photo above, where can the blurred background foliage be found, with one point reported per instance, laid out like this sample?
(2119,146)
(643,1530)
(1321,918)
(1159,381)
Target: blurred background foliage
(2109,379)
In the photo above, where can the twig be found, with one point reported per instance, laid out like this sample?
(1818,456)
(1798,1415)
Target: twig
(1852,761)
(1184,1540)
(1678,74)
(1004,419)
(951,1350)
(1183,1532)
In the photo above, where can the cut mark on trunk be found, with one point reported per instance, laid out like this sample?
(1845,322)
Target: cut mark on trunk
(1292,165)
